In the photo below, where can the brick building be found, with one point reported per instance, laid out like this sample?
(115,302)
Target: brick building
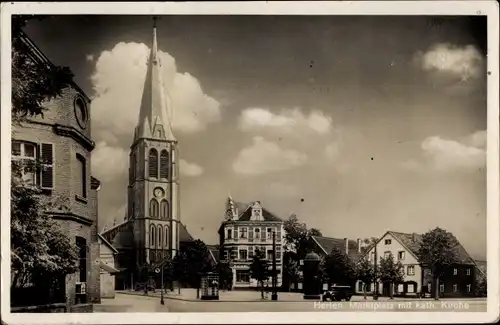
(61,139)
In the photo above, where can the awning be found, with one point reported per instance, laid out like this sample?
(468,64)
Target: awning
(108,268)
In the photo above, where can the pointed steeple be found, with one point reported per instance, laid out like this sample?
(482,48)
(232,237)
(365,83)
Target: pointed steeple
(154,120)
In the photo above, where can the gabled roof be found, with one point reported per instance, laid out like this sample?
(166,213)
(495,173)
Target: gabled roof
(245,213)
(108,268)
(214,252)
(327,244)
(482,267)
(107,243)
(412,242)
(124,239)
(184,235)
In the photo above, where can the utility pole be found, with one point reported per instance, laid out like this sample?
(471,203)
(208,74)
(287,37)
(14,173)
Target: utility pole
(274,295)
(375,292)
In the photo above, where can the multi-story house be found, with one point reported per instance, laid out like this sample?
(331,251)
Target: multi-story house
(61,140)
(246,229)
(457,280)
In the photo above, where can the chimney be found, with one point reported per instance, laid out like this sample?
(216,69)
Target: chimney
(346,241)
(414,237)
(359,245)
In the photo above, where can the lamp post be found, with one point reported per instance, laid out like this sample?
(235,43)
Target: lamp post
(274,295)
(162,301)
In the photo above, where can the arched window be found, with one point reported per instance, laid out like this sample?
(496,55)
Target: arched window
(152,235)
(153,163)
(132,168)
(164,213)
(164,164)
(153,208)
(167,236)
(160,236)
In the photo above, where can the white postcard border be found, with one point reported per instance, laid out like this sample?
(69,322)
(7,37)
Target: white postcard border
(489,8)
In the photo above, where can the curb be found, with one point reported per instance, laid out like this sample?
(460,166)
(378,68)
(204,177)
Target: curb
(289,301)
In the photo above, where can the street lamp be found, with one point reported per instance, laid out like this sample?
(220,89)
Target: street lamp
(158,270)
(274,295)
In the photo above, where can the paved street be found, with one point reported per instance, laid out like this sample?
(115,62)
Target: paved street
(241,301)
(123,303)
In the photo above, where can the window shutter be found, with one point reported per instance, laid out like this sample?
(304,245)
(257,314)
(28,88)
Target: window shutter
(47,166)
(263,234)
(250,234)
(278,235)
(250,252)
(235,233)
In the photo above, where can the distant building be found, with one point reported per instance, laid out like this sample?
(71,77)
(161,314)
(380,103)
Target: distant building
(458,280)
(246,229)
(108,269)
(62,141)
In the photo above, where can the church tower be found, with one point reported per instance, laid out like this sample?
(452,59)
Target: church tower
(153,190)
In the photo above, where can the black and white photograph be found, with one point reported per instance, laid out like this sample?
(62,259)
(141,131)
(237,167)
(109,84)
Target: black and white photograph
(175,160)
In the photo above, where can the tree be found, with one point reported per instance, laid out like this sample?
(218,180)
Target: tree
(390,272)
(290,269)
(298,236)
(33,81)
(41,252)
(365,272)
(191,263)
(481,287)
(225,274)
(259,269)
(438,251)
(338,268)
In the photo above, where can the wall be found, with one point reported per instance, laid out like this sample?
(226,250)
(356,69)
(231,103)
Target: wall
(409,260)
(107,285)
(77,217)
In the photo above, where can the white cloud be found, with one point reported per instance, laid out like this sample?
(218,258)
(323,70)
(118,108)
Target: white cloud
(288,120)
(461,61)
(264,157)
(190,169)
(109,162)
(118,82)
(445,154)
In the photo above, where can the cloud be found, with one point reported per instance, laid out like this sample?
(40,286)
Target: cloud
(109,162)
(118,82)
(460,61)
(190,169)
(446,155)
(332,151)
(264,157)
(288,120)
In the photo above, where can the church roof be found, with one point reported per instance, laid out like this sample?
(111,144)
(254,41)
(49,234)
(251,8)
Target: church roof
(155,103)
(184,235)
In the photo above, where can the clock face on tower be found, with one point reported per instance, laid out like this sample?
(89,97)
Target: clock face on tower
(159,192)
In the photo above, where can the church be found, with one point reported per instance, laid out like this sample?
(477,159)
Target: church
(151,231)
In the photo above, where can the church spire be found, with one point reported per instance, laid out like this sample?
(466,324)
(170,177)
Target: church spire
(154,120)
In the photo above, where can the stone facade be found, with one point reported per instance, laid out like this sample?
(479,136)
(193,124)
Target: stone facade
(62,138)
(246,229)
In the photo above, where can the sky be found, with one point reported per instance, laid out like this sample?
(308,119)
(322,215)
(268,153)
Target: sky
(357,124)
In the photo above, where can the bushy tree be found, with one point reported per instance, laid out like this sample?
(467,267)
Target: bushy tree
(438,251)
(40,249)
(191,263)
(259,269)
(390,272)
(338,268)
(365,272)
(290,269)
(298,236)
(225,274)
